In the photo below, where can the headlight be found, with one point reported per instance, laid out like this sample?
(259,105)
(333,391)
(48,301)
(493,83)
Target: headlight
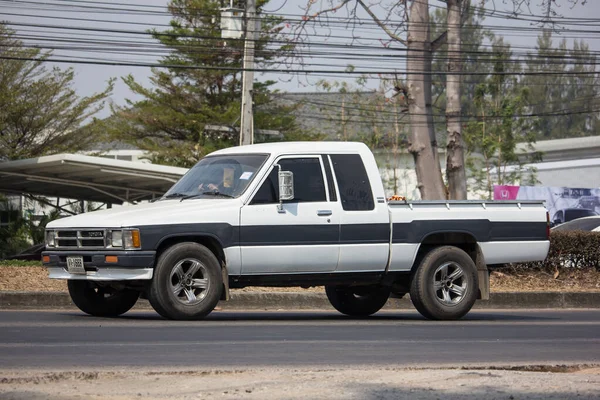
(116,239)
(50,238)
(128,239)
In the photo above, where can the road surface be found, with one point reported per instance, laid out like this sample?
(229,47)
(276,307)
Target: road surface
(141,339)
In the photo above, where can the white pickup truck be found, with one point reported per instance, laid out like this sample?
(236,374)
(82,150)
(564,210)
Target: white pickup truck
(290,214)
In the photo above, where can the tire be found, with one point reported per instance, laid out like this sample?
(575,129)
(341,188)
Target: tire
(357,301)
(101,301)
(444,286)
(187,282)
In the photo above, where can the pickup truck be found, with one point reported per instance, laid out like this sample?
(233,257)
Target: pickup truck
(290,214)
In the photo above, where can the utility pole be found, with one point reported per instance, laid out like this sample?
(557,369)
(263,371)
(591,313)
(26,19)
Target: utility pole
(247,119)
(548,21)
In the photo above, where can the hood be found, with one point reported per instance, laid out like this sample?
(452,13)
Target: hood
(158,213)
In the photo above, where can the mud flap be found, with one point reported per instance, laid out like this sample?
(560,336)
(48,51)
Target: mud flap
(483,276)
(225,292)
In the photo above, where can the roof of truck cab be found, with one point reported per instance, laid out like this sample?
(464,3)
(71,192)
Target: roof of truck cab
(296,147)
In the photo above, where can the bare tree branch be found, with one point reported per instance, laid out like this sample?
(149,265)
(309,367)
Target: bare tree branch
(439,41)
(381,24)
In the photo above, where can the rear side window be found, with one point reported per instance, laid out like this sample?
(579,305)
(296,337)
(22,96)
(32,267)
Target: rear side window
(308,182)
(353,182)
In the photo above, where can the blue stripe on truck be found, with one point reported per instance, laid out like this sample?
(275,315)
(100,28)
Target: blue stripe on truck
(289,235)
(482,230)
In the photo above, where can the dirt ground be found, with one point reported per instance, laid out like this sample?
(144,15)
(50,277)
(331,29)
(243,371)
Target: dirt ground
(36,279)
(305,383)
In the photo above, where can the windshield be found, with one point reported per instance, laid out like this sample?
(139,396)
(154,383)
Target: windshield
(227,175)
(572,214)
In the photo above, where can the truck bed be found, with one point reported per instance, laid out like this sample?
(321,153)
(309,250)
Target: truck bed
(506,231)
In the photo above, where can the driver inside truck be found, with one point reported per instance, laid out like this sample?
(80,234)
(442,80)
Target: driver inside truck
(220,180)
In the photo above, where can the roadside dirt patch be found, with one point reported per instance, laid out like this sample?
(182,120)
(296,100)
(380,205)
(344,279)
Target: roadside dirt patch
(308,383)
(31,279)
(515,280)
(36,279)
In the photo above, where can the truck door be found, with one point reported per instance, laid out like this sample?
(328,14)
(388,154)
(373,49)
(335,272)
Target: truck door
(365,220)
(304,236)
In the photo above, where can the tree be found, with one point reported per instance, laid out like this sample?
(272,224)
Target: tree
(455,165)
(475,63)
(499,125)
(40,113)
(413,34)
(199,86)
(568,101)
(466,62)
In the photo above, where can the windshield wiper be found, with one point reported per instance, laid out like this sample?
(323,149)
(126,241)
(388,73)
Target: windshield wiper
(212,193)
(174,195)
(217,193)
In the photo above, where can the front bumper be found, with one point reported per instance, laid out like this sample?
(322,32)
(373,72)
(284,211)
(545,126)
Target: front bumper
(131,265)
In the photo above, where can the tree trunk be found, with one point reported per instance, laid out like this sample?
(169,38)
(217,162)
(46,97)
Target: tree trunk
(455,163)
(430,122)
(418,46)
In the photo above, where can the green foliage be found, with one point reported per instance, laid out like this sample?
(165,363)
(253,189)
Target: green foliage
(566,104)
(199,86)
(20,233)
(13,239)
(571,249)
(20,263)
(40,113)
(492,136)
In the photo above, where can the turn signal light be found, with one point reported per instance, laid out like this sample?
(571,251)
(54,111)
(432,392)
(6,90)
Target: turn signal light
(111,259)
(135,239)
(46,259)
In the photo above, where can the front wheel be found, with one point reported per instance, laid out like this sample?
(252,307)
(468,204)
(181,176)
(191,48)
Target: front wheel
(101,301)
(187,282)
(444,286)
(357,301)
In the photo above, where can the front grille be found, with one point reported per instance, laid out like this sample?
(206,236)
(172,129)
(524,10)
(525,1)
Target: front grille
(81,239)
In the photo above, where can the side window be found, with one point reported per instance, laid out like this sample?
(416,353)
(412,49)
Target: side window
(308,182)
(268,192)
(353,182)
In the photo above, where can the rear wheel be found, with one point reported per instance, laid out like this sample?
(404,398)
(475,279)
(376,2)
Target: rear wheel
(101,301)
(444,286)
(357,301)
(187,282)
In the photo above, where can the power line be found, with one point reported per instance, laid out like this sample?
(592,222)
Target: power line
(285,70)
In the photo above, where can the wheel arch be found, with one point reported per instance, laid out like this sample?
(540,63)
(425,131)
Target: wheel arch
(210,241)
(465,241)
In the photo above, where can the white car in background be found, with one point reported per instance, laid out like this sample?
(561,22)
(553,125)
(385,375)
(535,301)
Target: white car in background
(588,224)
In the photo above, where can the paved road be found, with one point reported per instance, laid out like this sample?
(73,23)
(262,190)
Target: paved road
(67,339)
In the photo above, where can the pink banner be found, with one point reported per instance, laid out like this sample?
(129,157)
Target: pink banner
(505,192)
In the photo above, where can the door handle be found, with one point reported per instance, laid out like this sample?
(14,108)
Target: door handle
(324,213)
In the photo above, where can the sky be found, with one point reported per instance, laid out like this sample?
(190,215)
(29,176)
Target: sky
(92,78)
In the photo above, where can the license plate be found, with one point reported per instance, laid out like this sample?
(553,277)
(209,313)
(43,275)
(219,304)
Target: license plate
(75,265)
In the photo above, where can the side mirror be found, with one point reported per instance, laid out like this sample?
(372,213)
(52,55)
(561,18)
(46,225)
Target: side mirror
(286,185)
